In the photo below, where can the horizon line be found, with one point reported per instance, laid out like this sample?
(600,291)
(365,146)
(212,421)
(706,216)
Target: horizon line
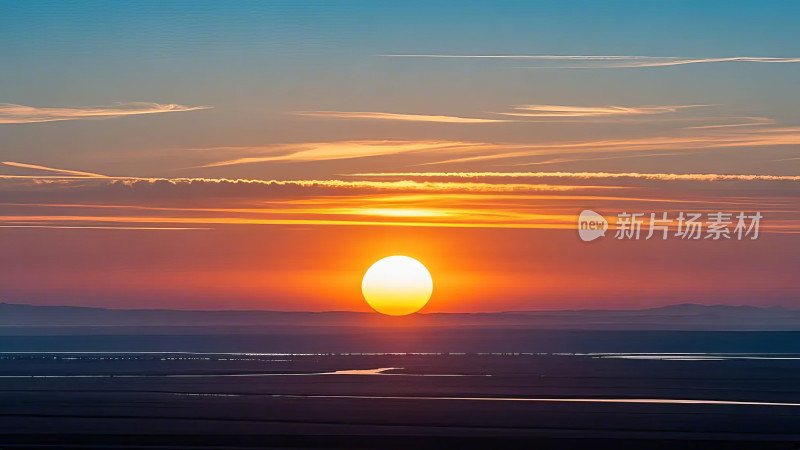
(518,311)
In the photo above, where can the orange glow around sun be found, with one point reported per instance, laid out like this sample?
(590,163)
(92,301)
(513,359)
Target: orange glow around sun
(397,286)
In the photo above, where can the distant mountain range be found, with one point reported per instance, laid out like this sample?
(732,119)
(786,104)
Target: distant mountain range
(675,317)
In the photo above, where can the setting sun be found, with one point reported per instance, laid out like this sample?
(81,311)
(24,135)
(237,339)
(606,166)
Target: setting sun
(397,286)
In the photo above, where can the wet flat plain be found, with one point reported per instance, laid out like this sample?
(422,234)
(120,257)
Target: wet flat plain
(122,398)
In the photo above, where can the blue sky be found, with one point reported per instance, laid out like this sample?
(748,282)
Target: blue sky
(67,52)
(256,63)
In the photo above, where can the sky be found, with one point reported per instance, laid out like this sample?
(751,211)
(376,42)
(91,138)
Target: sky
(262,155)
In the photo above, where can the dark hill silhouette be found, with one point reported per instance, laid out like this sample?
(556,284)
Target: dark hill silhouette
(672,317)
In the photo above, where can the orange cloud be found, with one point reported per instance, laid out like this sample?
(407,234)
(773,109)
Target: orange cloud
(752,122)
(648,176)
(159,203)
(694,140)
(117,227)
(444,152)
(552,113)
(591,111)
(259,187)
(50,169)
(10,113)
(223,220)
(324,151)
(394,116)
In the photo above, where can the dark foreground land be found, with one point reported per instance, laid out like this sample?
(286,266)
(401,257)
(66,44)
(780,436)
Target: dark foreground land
(685,394)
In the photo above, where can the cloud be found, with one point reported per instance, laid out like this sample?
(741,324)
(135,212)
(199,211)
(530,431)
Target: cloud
(394,116)
(325,151)
(587,175)
(605,61)
(751,122)
(214,187)
(454,152)
(552,201)
(692,140)
(204,190)
(591,111)
(10,113)
(159,203)
(530,113)
(116,227)
(50,169)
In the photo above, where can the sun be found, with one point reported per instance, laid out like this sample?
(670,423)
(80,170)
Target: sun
(397,286)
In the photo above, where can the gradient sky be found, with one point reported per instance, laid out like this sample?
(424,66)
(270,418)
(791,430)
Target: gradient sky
(261,155)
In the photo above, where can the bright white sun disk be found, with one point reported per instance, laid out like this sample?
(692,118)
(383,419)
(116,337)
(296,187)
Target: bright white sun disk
(397,286)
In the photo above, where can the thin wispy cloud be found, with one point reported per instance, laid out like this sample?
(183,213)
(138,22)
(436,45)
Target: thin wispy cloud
(326,151)
(89,227)
(47,191)
(588,175)
(528,113)
(584,158)
(606,61)
(750,122)
(51,169)
(154,203)
(445,152)
(222,186)
(395,116)
(591,111)
(692,141)
(11,113)
(786,159)
(206,202)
